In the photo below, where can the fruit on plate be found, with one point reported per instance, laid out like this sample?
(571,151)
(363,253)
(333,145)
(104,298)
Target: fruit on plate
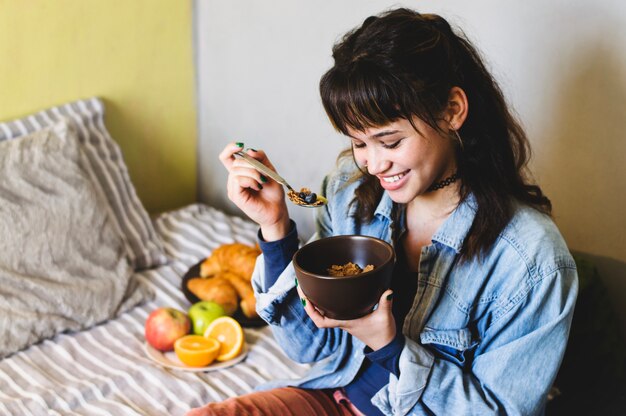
(203,313)
(164,326)
(196,350)
(229,333)
(225,278)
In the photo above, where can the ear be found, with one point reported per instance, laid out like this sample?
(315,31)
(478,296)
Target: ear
(456,112)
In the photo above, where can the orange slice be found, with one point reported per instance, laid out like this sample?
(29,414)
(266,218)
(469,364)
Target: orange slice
(196,350)
(229,333)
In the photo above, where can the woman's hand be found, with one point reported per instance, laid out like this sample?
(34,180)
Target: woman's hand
(375,329)
(259,197)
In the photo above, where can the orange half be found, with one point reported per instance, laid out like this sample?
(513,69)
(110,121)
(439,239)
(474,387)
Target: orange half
(229,334)
(196,350)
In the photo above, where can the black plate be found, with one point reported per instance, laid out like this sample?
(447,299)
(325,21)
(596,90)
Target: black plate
(194,271)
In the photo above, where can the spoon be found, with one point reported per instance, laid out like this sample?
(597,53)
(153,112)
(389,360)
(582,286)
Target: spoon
(293,195)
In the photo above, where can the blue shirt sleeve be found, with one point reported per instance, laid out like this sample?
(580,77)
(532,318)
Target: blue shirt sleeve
(278,254)
(388,356)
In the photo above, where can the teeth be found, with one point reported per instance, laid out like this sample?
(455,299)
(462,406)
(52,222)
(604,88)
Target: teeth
(391,179)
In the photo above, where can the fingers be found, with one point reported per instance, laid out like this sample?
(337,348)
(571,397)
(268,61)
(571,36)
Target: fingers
(226,156)
(241,174)
(315,314)
(386,301)
(240,180)
(228,159)
(375,329)
(246,176)
(308,306)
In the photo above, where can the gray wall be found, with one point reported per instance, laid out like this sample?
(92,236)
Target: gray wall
(562,65)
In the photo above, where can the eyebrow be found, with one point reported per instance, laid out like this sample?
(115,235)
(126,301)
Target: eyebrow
(381,134)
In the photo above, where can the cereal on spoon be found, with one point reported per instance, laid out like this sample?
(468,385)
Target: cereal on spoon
(304,197)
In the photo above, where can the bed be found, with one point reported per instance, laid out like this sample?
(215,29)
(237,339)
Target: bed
(86,359)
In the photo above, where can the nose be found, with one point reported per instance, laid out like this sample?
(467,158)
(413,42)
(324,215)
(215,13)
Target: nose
(376,163)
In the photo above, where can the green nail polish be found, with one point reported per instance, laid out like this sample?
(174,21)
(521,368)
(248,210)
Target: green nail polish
(390,296)
(303,301)
(263,178)
(260,187)
(296,280)
(239,144)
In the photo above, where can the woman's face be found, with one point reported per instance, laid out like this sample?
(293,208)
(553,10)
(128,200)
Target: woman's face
(405,161)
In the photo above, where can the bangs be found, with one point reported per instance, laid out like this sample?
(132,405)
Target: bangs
(362,98)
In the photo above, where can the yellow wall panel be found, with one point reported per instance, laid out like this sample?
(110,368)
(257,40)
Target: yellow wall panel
(137,55)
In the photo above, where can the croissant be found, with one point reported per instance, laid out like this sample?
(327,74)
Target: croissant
(216,289)
(236,258)
(245,292)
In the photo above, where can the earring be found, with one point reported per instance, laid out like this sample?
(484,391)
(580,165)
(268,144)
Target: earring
(457,136)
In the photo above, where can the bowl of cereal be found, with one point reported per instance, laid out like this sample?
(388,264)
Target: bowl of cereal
(344,276)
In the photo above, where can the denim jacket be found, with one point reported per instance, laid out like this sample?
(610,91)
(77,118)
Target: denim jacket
(483,337)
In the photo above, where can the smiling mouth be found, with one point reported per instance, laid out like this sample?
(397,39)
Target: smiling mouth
(394,178)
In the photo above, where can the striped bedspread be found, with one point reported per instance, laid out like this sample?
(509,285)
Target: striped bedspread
(104,370)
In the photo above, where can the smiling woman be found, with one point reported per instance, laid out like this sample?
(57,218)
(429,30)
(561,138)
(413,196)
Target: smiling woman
(407,157)
(477,315)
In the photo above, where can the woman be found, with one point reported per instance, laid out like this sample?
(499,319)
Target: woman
(478,315)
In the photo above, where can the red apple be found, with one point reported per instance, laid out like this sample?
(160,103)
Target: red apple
(164,326)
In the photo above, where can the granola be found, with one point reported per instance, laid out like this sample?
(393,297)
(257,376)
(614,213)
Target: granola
(304,197)
(348,269)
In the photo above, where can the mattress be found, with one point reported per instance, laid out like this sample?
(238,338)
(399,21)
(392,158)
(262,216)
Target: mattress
(105,370)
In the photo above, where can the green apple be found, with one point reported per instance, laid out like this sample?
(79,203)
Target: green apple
(203,313)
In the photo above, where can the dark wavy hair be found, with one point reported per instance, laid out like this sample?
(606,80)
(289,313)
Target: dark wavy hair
(402,64)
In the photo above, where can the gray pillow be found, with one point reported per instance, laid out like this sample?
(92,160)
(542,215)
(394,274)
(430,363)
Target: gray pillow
(109,170)
(63,262)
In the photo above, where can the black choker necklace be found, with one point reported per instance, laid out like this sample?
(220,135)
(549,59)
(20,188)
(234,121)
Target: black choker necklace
(442,184)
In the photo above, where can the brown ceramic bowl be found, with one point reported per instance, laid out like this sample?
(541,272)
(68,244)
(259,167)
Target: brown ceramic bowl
(346,297)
